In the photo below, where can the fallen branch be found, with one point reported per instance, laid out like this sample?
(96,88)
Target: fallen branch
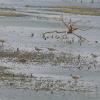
(80,37)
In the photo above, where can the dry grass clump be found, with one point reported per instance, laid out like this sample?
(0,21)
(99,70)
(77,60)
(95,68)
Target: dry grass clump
(65,60)
(10,76)
(52,58)
(40,83)
(37,57)
(32,56)
(8,54)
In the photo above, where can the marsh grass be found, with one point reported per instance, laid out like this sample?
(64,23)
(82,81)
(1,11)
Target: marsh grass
(78,10)
(10,79)
(35,56)
(65,60)
(22,81)
(11,13)
(7,54)
(7,8)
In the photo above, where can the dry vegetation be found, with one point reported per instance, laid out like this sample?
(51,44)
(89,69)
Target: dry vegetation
(65,60)
(10,13)
(78,10)
(40,83)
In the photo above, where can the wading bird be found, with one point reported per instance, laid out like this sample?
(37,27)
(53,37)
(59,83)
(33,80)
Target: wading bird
(32,34)
(75,78)
(93,55)
(51,49)
(2,41)
(38,49)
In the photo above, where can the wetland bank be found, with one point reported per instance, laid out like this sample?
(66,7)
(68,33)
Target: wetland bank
(53,66)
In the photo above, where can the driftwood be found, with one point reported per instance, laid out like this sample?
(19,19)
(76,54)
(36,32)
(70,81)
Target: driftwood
(80,37)
(70,28)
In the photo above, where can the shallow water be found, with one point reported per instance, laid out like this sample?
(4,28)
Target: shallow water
(17,32)
(18,3)
(20,94)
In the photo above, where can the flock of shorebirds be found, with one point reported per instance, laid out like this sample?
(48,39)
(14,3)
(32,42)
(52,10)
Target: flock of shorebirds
(39,49)
(74,77)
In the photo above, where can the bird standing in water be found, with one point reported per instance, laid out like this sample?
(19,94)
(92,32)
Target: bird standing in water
(38,49)
(51,49)
(32,35)
(94,56)
(75,78)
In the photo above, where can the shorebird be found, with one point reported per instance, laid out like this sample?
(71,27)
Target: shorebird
(96,41)
(2,41)
(32,34)
(75,77)
(52,36)
(79,57)
(17,50)
(38,49)
(51,49)
(23,60)
(93,55)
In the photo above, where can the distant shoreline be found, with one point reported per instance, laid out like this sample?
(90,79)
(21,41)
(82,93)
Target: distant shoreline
(78,10)
(64,9)
(82,10)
